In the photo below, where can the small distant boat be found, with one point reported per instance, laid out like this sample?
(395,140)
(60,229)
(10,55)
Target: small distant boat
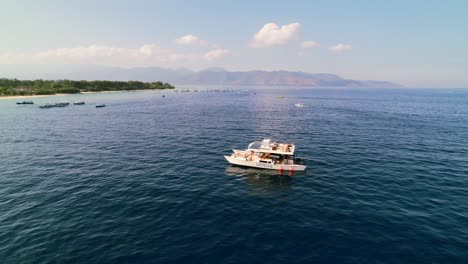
(79,103)
(61,104)
(25,102)
(54,105)
(280,97)
(100,105)
(46,106)
(299,105)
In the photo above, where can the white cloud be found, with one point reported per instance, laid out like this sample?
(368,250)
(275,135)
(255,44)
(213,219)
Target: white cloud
(309,44)
(217,53)
(340,47)
(271,34)
(145,55)
(191,40)
(5,57)
(12,58)
(107,55)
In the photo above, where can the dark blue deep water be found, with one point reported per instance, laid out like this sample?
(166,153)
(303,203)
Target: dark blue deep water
(144,180)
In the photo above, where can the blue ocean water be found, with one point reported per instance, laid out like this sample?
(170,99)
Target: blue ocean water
(144,180)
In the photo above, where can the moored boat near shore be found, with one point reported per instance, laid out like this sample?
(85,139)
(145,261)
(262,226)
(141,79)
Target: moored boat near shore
(268,155)
(25,102)
(61,104)
(54,105)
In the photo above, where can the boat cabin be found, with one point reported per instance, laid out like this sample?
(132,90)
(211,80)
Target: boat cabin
(272,152)
(266,146)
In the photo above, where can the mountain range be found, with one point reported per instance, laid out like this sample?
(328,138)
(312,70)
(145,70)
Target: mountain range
(210,76)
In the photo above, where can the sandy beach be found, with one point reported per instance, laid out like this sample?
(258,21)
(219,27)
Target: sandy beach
(48,95)
(40,96)
(28,96)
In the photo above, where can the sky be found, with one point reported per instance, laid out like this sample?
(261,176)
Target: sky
(414,43)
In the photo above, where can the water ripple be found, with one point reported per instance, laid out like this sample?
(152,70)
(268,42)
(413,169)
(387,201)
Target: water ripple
(144,181)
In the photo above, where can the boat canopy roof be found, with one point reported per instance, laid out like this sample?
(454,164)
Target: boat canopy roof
(255,145)
(267,146)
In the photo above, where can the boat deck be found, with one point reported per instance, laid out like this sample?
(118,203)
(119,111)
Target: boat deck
(267,155)
(266,146)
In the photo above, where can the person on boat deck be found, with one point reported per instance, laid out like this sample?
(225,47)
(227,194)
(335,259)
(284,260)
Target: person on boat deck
(249,156)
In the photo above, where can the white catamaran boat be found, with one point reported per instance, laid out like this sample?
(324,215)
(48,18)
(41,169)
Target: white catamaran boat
(267,155)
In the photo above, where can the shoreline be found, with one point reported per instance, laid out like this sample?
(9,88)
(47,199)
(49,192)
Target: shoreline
(4,97)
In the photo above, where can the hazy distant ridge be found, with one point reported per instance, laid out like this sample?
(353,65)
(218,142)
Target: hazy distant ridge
(217,76)
(212,76)
(276,78)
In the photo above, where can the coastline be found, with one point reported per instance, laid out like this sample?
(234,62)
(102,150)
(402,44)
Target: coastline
(4,97)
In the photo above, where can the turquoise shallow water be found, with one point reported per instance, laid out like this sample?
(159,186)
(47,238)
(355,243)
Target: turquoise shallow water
(143,180)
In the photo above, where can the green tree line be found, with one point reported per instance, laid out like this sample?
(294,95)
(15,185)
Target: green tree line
(40,87)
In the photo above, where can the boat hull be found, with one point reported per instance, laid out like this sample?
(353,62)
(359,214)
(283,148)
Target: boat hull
(267,166)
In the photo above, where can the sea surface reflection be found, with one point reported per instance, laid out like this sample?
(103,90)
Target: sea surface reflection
(144,180)
(265,183)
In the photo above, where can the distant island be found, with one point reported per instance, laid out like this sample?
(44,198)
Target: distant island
(159,78)
(214,76)
(14,87)
(219,76)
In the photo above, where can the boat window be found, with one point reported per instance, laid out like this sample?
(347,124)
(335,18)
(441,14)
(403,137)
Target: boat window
(255,145)
(266,143)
